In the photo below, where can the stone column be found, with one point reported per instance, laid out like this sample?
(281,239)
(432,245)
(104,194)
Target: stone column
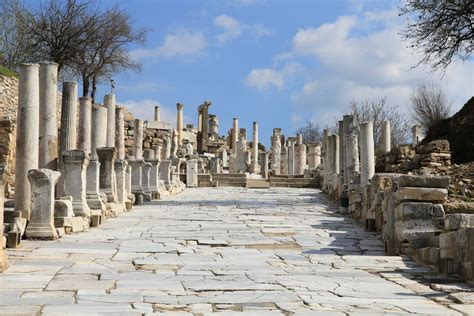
(235,135)
(203,137)
(314,156)
(136,183)
(276,152)
(75,164)
(41,224)
(341,151)
(48,124)
(128,184)
(27,133)
(367,155)
(3,255)
(215,165)
(300,157)
(255,167)
(335,145)
(291,157)
(284,161)
(199,120)
(158,151)
(121,183)
(157,113)
(119,133)
(351,149)
(109,103)
(68,128)
(167,151)
(85,124)
(385,142)
(264,161)
(107,181)
(179,123)
(138,139)
(192,173)
(417,134)
(99,129)
(326,171)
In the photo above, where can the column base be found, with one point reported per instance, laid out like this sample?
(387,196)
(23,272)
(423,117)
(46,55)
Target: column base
(41,232)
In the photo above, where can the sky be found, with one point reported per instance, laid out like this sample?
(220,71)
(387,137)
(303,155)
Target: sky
(278,62)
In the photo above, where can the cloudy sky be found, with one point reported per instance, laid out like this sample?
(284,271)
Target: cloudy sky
(278,62)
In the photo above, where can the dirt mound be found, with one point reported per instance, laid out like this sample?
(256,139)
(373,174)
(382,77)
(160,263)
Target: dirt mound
(459,131)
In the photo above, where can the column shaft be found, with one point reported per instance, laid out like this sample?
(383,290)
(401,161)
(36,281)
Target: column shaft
(109,103)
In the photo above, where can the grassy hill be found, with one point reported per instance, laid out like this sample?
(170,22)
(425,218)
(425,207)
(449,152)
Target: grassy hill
(7,72)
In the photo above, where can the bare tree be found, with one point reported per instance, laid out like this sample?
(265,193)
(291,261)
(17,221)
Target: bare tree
(107,50)
(14,42)
(441,30)
(430,104)
(378,111)
(311,132)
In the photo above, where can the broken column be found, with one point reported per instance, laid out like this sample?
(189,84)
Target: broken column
(99,128)
(300,156)
(85,124)
(146,174)
(335,149)
(109,104)
(417,134)
(75,164)
(192,173)
(326,164)
(138,139)
(235,135)
(342,160)
(179,123)
(291,156)
(41,223)
(276,151)
(263,161)
(27,133)
(157,113)
(367,155)
(314,156)
(48,124)
(385,141)
(254,166)
(68,139)
(284,160)
(351,149)
(203,136)
(121,164)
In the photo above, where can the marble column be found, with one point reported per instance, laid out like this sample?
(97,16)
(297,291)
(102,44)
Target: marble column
(85,124)
(99,129)
(367,155)
(120,133)
(41,223)
(120,167)
(192,173)
(254,166)
(314,156)
(351,149)
(157,113)
(341,150)
(179,122)
(48,124)
(326,164)
(75,164)
(107,181)
(109,103)
(264,161)
(335,149)
(3,255)
(94,198)
(27,135)
(235,135)
(215,165)
(276,152)
(300,156)
(284,161)
(68,138)
(128,185)
(291,157)
(385,142)
(203,137)
(199,120)
(138,139)
(330,155)
(136,183)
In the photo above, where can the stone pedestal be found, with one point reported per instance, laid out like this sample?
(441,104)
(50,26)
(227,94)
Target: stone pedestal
(385,141)
(94,198)
(367,155)
(107,181)
(146,175)
(85,124)
(154,178)
(75,164)
(136,187)
(109,103)
(48,127)
(41,224)
(121,181)
(3,255)
(165,172)
(192,173)
(27,133)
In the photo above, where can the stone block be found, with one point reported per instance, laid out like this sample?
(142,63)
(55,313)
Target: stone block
(423,181)
(411,211)
(459,207)
(96,218)
(257,184)
(458,220)
(13,239)
(10,215)
(446,240)
(63,208)
(421,194)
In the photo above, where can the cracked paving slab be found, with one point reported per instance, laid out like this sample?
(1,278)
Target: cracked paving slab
(278,251)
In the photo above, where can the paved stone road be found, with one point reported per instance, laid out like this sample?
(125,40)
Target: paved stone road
(260,252)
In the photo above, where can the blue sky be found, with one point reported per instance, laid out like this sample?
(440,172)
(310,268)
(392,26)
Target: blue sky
(278,62)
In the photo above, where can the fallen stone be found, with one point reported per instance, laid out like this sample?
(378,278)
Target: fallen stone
(421,194)
(458,220)
(424,181)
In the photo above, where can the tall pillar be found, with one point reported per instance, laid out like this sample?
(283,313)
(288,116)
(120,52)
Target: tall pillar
(75,164)
(48,127)
(68,139)
(119,133)
(385,142)
(85,124)
(107,181)
(41,224)
(255,167)
(27,133)
(341,151)
(3,255)
(99,129)
(291,157)
(235,135)
(199,120)
(138,139)
(351,149)
(330,155)
(367,155)
(179,122)
(203,136)
(109,103)
(157,113)
(300,156)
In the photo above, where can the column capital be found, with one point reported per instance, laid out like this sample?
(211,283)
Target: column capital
(179,106)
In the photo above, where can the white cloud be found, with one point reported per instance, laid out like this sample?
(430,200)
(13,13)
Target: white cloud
(183,43)
(232,29)
(265,78)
